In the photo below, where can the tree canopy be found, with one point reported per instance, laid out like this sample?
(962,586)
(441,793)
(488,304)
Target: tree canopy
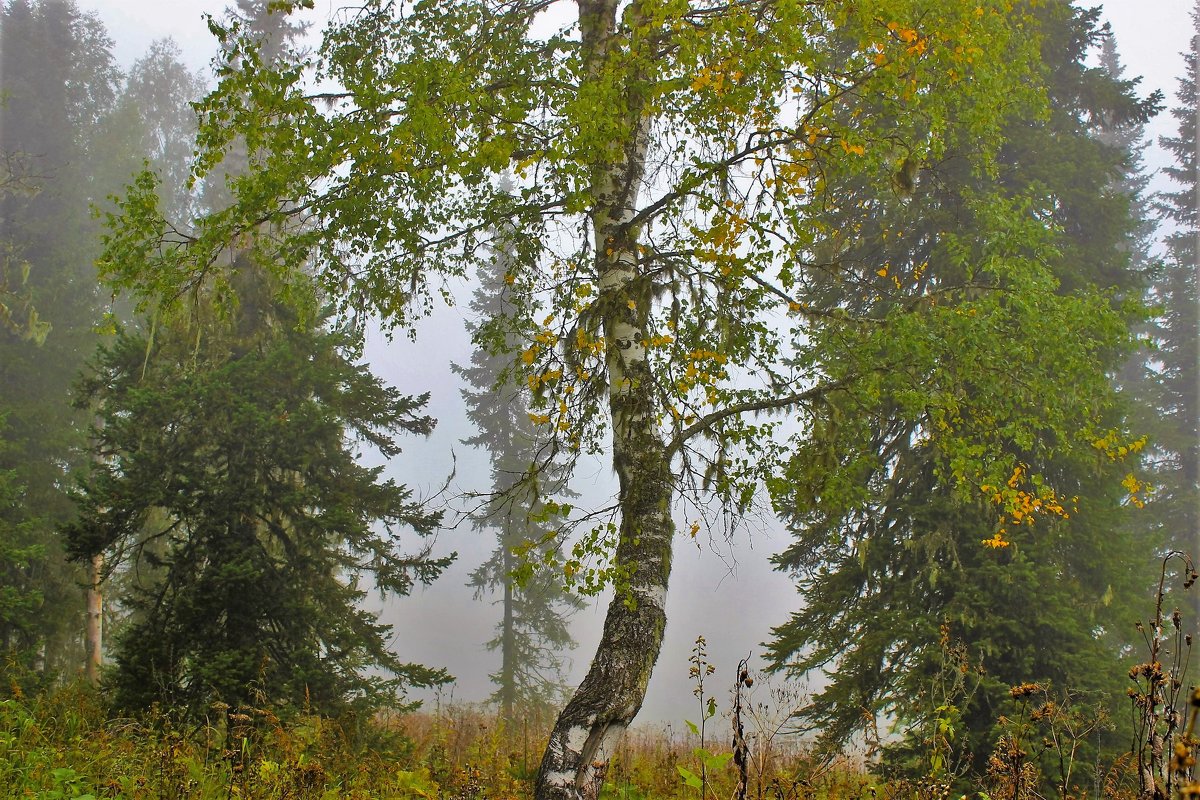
(908,566)
(674,164)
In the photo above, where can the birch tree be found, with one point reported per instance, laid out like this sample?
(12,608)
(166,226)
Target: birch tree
(672,159)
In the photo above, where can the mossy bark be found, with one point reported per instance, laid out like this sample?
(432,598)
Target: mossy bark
(603,706)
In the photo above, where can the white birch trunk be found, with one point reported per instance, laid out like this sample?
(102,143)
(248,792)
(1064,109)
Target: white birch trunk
(611,694)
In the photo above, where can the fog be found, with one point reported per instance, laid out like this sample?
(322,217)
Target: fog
(725,591)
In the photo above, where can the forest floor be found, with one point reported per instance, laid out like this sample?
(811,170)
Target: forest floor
(62,744)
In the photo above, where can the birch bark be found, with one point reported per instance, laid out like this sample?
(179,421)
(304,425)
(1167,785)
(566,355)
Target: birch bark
(611,694)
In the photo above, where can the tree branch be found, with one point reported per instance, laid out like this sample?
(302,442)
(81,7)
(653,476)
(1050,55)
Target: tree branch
(772,404)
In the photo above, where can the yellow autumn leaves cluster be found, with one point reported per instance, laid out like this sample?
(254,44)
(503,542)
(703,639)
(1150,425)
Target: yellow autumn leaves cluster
(1022,507)
(1019,506)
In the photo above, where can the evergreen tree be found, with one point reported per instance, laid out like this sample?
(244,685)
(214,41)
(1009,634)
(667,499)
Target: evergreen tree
(58,82)
(17,314)
(1125,136)
(275,35)
(226,494)
(1174,374)
(907,582)
(228,472)
(533,632)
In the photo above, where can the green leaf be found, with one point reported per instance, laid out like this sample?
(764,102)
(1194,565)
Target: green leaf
(689,778)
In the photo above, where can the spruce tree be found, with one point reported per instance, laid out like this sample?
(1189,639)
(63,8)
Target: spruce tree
(229,473)
(532,633)
(226,494)
(1174,375)
(1125,136)
(911,587)
(58,84)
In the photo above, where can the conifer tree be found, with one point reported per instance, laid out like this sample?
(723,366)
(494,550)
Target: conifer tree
(1126,137)
(58,84)
(230,473)
(225,489)
(1174,377)
(533,631)
(908,585)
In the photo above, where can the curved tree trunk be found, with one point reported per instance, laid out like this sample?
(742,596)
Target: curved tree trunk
(577,755)
(581,743)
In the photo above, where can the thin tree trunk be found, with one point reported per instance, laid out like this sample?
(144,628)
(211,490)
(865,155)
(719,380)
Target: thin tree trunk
(603,706)
(95,620)
(508,638)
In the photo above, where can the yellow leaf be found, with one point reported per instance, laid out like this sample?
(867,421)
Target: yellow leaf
(997,541)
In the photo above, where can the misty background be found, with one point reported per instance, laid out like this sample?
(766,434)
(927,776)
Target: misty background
(723,590)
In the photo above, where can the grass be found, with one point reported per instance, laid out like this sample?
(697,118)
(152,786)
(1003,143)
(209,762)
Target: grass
(61,744)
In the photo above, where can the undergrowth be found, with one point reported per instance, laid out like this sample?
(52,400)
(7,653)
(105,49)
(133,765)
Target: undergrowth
(61,743)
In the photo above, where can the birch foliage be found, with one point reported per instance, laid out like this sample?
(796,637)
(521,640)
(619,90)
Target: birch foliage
(395,173)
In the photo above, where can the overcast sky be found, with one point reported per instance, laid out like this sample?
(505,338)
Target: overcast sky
(731,601)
